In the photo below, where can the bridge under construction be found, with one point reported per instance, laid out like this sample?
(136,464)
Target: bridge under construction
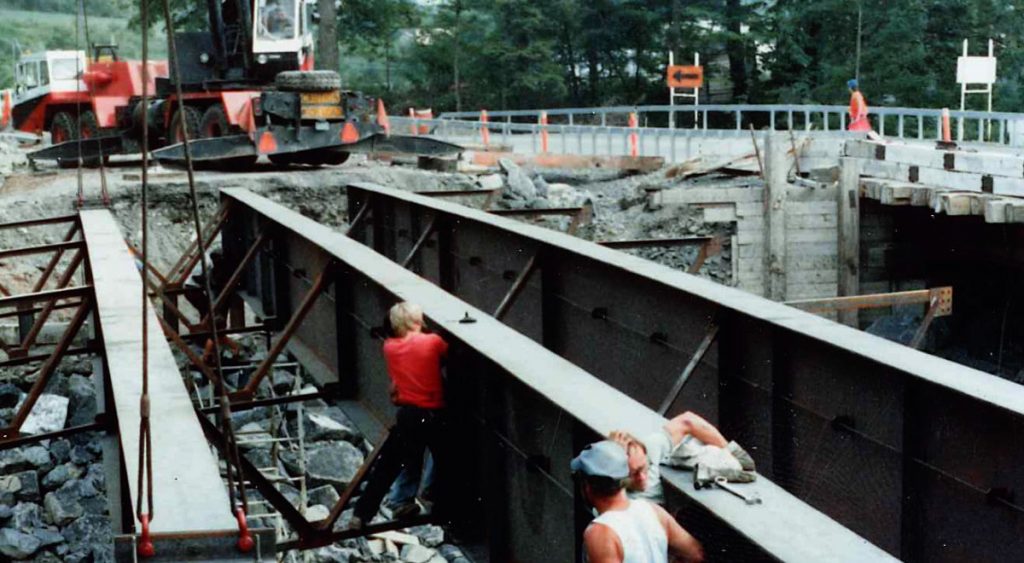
(867,449)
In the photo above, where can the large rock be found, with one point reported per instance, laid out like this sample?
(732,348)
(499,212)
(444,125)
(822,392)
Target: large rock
(25,517)
(242,418)
(518,184)
(282,382)
(35,458)
(254,436)
(60,450)
(39,457)
(319,427)
(317,512)
(10,395)
(62,506)
(430,535)
(541,186)
(47,557)
(29,486)
(10,486)
(82,407)
(47,415)
(18,545)
(60,475)
(417,553)
(335,554)
(89,538)
(94,482)
(333,464)
(325,495)
(81,455)
(48,537)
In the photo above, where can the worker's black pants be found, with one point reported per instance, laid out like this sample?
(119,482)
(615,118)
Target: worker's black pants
(414,430)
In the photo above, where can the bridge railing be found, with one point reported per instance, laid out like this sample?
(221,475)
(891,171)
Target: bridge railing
(911,123)
(563,138)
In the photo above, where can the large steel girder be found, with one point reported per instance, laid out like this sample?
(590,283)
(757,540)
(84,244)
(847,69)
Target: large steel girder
(917,454)
(521,411)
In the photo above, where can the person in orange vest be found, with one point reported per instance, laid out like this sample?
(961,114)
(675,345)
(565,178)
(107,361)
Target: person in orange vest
(5,113)
(858,108)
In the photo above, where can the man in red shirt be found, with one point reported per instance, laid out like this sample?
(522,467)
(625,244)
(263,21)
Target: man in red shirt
(413,359)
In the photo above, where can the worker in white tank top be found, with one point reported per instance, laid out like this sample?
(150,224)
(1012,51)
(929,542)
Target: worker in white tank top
(625,531)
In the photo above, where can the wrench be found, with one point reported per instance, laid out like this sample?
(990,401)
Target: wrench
(723,484)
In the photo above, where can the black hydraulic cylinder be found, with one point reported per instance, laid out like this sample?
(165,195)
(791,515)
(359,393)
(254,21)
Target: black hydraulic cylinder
(217,33)
(245,26)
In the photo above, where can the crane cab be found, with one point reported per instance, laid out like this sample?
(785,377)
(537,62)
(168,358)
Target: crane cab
(47,84)
(39,74)
(282,36)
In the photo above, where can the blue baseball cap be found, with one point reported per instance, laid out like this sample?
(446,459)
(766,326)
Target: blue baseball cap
(851,83)
(602,459)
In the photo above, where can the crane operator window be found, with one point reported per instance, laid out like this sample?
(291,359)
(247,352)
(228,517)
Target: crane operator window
(65,69)
(277,19)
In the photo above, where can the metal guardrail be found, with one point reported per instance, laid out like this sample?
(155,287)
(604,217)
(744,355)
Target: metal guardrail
(904,123)
(604,140)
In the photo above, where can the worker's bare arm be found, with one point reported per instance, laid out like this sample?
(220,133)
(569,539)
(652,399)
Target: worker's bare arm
(692,423)
(602,545)
(681,545)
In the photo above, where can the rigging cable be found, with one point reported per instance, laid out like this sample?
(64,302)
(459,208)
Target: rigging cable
(145,468)
(237,498)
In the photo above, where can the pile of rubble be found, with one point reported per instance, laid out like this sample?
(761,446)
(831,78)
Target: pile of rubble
(53,503)
(619,211)
(11,158)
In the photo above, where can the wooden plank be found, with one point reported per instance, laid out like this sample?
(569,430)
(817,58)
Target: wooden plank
(750,250)
(955,204)
(996,210)
(848,202)
(989,163)
(750,209)
(812,221)
(639,163)
(188,491)
(811,208)
(776,191)
(812,290)
(817,248)
(753,236)
(799,277)
(952,180)
(1015,213)
(886,170)
(812,262)
(697,196)
(921,196)
(1007,186)
(826,235)
(927,156)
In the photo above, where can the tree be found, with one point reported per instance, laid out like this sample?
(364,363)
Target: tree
(327,36)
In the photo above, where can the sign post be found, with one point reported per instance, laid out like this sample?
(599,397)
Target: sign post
(686,78)
(975,71)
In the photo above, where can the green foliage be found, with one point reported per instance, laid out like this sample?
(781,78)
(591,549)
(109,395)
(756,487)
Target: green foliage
(39,31)
(503,54)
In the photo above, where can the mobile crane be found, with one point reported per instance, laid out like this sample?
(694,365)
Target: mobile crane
(247,89)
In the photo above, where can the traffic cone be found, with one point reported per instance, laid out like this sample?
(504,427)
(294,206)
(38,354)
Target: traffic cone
(382,118)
